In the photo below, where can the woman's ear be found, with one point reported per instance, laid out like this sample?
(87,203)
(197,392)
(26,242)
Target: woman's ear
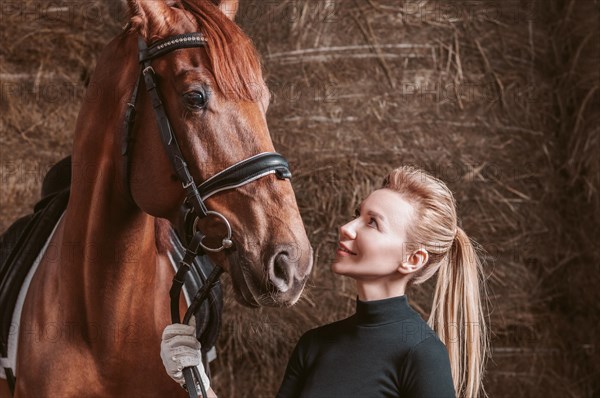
(415,261)
(228,7)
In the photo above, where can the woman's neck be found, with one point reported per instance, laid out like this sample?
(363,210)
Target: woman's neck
(368,290)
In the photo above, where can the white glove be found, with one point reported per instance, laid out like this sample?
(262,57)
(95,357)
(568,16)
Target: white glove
(179,349)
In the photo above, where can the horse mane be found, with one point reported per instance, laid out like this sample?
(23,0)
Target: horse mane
(233,57)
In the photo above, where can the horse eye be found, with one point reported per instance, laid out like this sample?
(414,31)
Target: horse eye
(196,99)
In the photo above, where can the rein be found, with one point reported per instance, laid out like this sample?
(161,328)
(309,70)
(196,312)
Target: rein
(193,207)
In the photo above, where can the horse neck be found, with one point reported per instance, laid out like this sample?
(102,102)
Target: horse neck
(109,254)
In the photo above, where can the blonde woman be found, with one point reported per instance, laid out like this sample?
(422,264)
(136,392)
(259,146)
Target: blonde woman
(403,234)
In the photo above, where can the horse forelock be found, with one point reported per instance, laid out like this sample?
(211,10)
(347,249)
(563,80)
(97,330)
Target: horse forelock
(136,20)
(234,60)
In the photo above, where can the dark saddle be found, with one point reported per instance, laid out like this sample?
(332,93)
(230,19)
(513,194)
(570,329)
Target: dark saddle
(25,238)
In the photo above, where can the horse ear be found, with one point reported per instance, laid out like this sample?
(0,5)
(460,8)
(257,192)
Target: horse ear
(228,7)
(145,13)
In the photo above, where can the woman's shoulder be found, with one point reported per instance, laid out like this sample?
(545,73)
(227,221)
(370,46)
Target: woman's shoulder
(415,330)
(329,330)
(429,350)
(429,342)
(426,361)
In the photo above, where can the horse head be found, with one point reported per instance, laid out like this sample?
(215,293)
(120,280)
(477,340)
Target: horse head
(216,100)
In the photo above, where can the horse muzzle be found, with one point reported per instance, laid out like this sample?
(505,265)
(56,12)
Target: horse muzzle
(280,286)
(287,274)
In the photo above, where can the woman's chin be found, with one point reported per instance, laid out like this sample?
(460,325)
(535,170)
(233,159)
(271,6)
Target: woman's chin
(337,268)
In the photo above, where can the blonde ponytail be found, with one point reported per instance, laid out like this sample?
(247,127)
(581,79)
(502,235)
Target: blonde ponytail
(457,315)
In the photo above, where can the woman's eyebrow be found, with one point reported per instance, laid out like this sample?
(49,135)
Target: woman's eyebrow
(376,215)
(372,213)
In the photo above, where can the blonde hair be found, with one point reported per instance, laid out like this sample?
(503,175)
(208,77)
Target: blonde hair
(457,311)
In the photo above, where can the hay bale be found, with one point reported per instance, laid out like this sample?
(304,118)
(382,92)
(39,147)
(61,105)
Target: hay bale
(48,52)
(578,51)
(461,90)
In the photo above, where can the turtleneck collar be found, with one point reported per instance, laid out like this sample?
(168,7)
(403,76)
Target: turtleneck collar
(379,312)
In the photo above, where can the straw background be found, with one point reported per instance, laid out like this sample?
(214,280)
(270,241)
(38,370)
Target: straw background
(500,99)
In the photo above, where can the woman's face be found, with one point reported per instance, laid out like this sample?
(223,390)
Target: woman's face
(373,244)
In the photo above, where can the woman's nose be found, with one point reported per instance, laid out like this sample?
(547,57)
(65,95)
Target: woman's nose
(348,231)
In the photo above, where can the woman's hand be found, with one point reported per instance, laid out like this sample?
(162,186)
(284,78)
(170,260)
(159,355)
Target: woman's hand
(179,349)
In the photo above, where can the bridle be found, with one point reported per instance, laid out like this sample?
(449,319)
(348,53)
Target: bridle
(193,207)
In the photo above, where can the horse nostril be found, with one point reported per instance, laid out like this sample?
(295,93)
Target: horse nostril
(280,274)
(281,267)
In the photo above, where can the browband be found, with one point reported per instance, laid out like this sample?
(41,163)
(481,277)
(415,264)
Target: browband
(161,47)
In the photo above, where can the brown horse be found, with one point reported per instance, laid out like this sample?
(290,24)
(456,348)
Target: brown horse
(93,316)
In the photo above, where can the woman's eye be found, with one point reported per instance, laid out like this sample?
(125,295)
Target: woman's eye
(356,213)
(195,99)
(373,222)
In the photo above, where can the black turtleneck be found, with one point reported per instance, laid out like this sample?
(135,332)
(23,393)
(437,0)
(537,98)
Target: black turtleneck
(384,350)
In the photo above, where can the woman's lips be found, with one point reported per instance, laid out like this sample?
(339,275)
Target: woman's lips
(343,250)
